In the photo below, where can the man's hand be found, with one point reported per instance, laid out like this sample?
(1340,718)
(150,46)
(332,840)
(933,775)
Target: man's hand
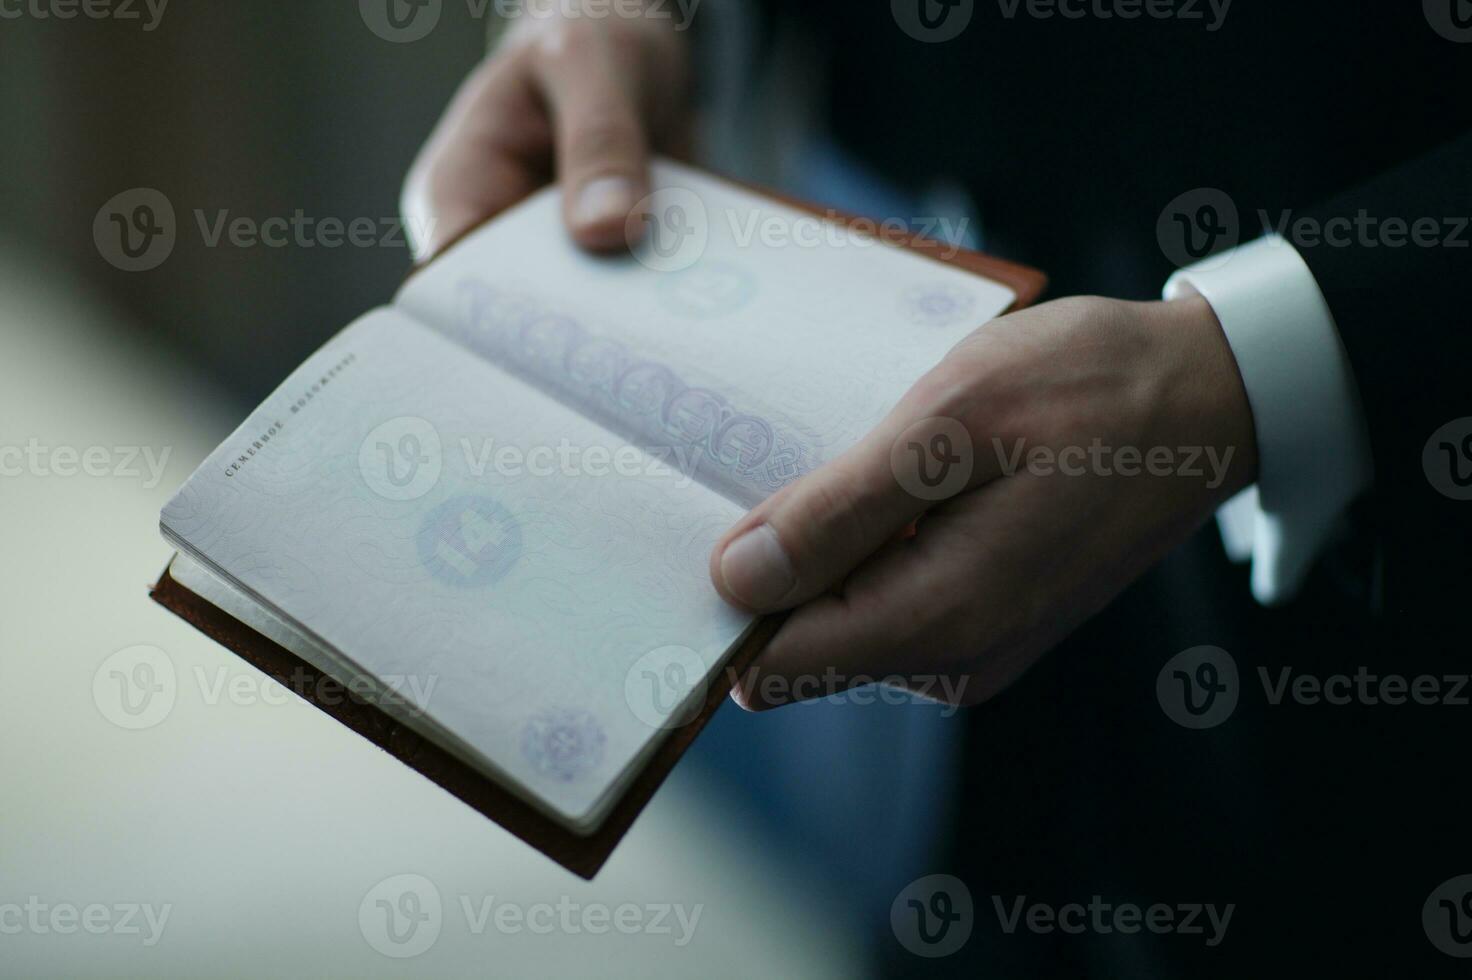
(1072,445)
(581,99)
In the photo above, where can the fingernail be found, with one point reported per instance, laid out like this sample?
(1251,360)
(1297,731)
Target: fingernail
(603,201)
(756,568)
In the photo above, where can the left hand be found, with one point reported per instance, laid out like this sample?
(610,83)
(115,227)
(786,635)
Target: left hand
(1102,433)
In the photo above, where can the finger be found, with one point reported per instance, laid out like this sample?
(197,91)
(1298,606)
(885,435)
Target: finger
(807,537)
(890,609)
(602,147)
(489,150)
(942,615)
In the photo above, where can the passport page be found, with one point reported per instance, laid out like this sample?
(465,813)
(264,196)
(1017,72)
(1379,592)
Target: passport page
(532,588)
(754,339)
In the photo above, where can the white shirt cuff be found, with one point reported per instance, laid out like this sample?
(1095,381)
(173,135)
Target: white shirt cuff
(1312,446)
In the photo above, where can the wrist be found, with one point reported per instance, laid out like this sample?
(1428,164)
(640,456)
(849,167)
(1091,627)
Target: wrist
(1207,387)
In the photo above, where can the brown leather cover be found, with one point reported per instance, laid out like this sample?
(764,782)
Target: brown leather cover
(582,855)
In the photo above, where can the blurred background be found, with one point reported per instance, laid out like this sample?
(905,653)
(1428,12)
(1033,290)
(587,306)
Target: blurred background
(254,827)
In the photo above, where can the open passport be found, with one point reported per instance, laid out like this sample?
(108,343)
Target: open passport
(487,510)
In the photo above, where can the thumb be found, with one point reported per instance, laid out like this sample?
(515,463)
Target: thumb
(808,537)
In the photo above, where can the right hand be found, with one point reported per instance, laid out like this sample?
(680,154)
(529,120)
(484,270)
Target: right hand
(581,99)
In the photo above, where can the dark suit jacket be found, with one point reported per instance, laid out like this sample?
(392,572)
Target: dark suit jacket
(1329,826)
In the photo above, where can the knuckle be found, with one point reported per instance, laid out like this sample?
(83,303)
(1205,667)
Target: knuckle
(568,39)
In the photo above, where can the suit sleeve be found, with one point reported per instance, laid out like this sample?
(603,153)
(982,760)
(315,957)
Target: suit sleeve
(1393,259)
